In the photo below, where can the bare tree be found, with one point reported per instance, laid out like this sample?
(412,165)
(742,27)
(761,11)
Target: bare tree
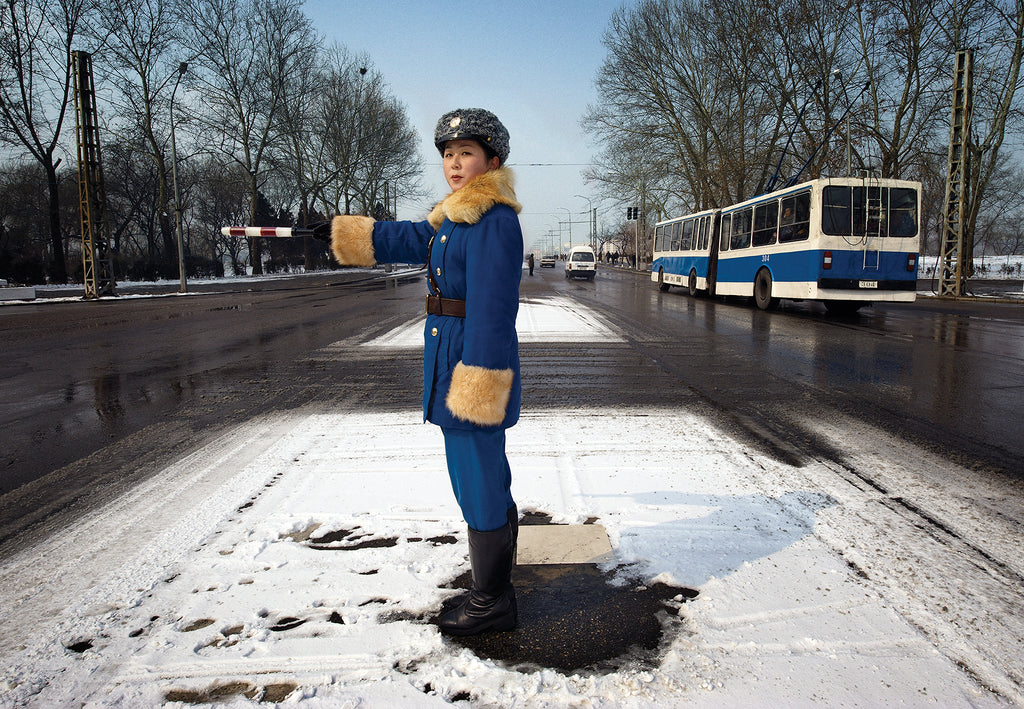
(36,38)
(298,126)
(997,27)
(23,207)
(705,97)
(142,52)
(134,207)
(702,102)
(221,199)
(253,53)
(996,228)
(903,55)
(390,161)
(296,164)
(368,141)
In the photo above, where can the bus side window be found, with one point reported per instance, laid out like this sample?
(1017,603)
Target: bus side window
(659,238)
(741,229)
(675,236)
(702,237)
(723,242)
(687,240)
(795,216)
(836,215)
(765,223)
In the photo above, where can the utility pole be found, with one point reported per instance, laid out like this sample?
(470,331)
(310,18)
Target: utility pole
(957,244)
(97,264)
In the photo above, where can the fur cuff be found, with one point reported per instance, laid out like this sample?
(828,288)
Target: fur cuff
(352,240)
(479,395)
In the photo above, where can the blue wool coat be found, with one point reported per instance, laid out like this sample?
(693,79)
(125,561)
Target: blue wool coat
(480,263)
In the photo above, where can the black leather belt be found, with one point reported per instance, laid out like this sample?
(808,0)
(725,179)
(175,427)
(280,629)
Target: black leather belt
(436,305)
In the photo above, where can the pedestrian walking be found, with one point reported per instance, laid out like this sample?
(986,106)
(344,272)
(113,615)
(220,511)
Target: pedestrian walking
(529,261)
(472,244)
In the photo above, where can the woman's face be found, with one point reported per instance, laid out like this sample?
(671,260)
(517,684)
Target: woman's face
(464,160)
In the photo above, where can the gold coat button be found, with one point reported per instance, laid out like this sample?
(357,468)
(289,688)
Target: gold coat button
(444,238)
(438,271)
(434,332)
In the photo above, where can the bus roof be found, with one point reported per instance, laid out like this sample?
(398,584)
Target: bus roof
(825,182)
(688,216)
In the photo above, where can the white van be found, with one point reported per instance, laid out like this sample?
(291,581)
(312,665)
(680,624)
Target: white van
(582,263)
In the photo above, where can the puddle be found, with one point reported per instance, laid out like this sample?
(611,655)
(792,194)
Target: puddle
(572,619)
(578,618)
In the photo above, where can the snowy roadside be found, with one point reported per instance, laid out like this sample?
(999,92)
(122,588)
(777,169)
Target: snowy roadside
(128,290)
(205,580)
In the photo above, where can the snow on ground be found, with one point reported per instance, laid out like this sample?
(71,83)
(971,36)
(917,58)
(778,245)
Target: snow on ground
(206,579)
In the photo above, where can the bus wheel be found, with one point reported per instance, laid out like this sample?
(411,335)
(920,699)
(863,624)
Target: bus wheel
(763,291)
(662,286)
(691,285)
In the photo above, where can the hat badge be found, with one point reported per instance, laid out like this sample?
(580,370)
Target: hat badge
(454,123)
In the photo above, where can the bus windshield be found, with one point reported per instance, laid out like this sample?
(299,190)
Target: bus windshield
(856,211)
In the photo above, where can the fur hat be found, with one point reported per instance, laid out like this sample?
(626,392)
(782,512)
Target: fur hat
(476,124)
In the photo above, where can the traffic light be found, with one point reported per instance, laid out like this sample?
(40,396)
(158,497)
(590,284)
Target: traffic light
(632,213)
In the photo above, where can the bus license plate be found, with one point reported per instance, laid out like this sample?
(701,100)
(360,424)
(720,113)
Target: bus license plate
(869,284)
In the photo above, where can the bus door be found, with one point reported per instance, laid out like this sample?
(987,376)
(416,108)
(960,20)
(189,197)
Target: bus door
(716,227)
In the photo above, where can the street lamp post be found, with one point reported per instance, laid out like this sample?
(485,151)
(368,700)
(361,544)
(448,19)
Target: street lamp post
(182,68)
(570,225)
(590,211)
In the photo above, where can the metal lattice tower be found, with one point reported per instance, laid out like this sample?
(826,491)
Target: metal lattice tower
(957,244)
(97,267)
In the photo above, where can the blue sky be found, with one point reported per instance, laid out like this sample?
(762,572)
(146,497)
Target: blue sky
(531,63)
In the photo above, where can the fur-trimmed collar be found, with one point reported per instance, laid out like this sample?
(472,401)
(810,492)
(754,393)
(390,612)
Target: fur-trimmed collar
(469,203)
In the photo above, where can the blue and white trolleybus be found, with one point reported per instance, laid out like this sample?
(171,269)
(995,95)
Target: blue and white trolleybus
(844,241)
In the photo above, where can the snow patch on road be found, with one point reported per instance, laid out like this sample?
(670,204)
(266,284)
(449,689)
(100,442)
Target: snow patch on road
(556,319)
(229,589)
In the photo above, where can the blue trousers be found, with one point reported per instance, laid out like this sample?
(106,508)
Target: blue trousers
(481,477)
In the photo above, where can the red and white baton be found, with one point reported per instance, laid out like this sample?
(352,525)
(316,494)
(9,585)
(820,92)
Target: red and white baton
(271,231)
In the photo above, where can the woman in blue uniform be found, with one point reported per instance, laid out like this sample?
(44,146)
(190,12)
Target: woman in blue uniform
(472,244)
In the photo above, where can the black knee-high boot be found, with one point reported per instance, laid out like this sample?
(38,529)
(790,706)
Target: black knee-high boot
(491,605)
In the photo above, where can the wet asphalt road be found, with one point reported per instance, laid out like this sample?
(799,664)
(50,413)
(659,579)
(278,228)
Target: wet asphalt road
(98,395)
(945,375)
